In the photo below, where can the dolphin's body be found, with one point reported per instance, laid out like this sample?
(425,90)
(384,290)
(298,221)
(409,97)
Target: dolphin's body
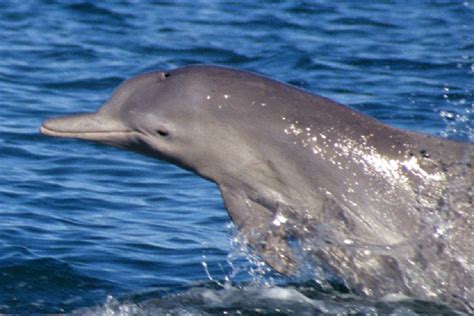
(386,210)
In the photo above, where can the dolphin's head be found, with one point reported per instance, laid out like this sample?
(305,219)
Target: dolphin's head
(167,115)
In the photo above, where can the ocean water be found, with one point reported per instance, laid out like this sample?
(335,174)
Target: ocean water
(88,229)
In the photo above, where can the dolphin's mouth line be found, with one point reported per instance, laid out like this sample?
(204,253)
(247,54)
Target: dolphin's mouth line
(50,132)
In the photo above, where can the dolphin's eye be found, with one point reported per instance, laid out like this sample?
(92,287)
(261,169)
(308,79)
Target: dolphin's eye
(162,132)
(165,75)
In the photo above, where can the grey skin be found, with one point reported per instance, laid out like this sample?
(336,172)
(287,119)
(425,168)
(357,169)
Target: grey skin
(305,178)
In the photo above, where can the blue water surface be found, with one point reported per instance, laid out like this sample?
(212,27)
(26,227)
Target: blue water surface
(92,229)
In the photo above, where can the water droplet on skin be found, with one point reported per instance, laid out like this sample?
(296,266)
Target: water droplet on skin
(279,219)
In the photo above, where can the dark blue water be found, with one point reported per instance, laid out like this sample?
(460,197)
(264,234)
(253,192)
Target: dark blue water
(93,230)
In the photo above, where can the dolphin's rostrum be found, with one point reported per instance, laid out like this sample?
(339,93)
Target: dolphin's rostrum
(388,211)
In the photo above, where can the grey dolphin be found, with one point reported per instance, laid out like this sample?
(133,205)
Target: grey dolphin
(386,210)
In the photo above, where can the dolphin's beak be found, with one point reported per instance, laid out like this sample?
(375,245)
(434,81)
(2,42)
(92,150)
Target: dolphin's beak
(89,126)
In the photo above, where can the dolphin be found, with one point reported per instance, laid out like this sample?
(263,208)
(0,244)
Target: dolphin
(306,178)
